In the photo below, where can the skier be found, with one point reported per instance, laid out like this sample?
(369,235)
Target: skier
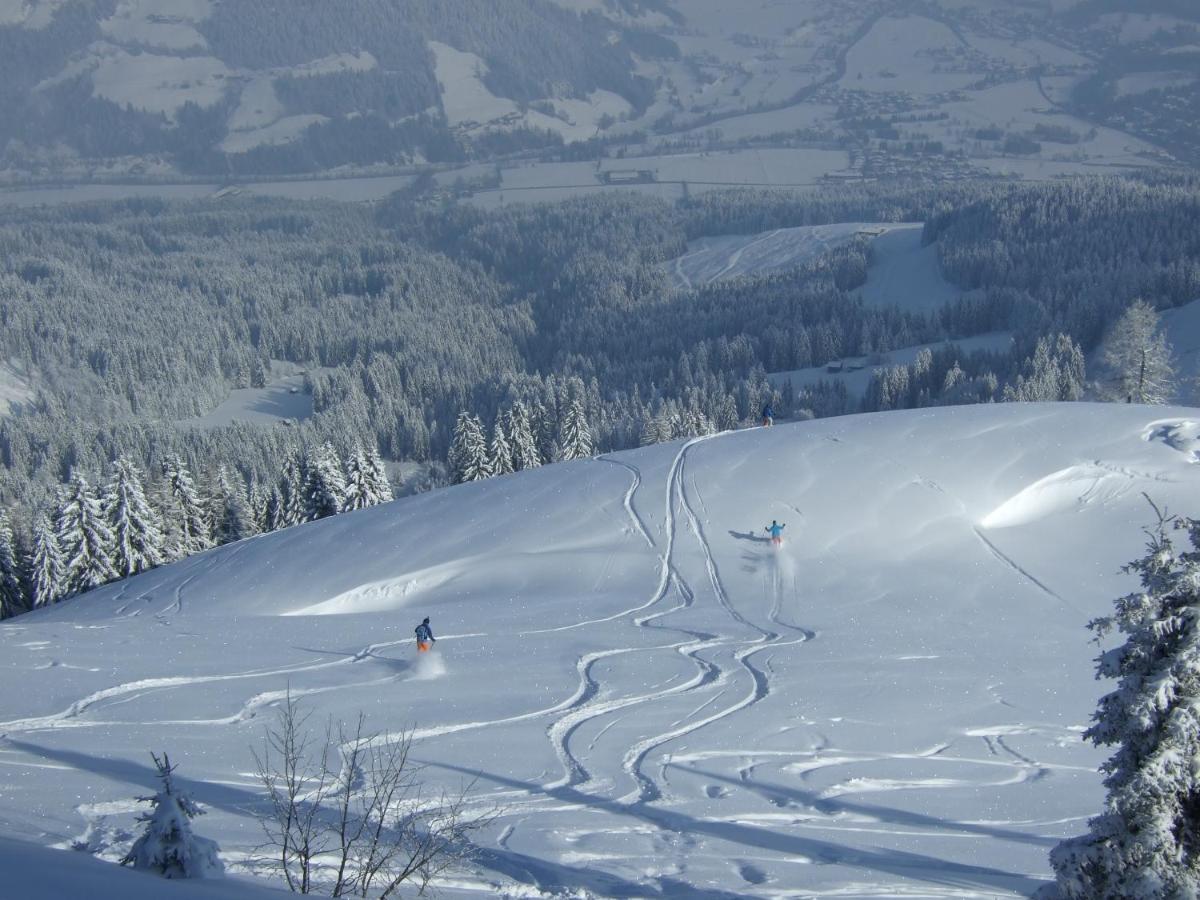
(776,531)
(768,415)
(425,638)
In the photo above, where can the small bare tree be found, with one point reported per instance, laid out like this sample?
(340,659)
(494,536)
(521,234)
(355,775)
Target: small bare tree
(364,826)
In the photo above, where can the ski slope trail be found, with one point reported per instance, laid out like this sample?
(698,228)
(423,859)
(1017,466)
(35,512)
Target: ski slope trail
(658,701)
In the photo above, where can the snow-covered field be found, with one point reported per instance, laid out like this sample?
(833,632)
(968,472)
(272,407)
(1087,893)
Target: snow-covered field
(890,705)
(902,272)
(282,400)
(856,372)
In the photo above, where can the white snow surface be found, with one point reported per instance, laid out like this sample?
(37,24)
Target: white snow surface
(662,704)
(711,259)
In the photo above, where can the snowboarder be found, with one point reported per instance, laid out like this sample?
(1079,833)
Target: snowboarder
(768,416)
(425,638)
(776,531)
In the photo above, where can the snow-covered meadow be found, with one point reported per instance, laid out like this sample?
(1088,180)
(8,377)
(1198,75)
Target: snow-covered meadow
(660,703)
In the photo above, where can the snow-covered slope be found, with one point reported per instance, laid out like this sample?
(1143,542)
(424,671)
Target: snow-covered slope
(889,705)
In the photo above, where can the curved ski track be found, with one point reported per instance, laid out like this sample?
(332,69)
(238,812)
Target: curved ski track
(711,672)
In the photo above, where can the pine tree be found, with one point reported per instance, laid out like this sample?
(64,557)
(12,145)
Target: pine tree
(575,438)
(274,512)
(12,596)
(234,520)
(521,438)
(291,489)
(46,567)
(469,451)
(1138,358)
(358,492)
(1054,373)
(85,539)
(167,846)
(137,533)
(185,522)
(1146,843)
(325,487)
(381,485)
(500,455)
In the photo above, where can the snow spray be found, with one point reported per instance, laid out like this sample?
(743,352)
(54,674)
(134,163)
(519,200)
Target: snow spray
(429,665)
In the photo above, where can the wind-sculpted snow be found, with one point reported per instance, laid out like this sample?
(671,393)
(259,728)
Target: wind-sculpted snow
(660,702)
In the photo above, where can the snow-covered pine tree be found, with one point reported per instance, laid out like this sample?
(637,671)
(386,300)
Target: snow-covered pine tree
(1054,373)
(727,413)
(381,485)
(137,533)
(85,539)
(291,488)
(575,438)
(521,438)
(46,567)
(500,455)
(1146,843)
(469,451)
(274,513)
(12,595)
(185,521)
(1138,358)
(358,492)
(232,516)
(652,431)
(325,487)
(168,846)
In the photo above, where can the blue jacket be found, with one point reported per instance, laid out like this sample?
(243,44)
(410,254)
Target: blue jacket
(768,413)
(776,529)
(425,633)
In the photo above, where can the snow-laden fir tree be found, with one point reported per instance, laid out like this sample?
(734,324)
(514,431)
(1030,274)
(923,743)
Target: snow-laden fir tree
(358,491)
(380,484)
(137,534)
(274,513)
(1055,372)
(12,594)
(575,437)
(233,520)
(186,525)
(46,566)
(1138,359)
(168,846)
(727,414)
(85,539)
(325,486)
(500,455)
(1146,843)
(521,438)
(291,488)
(469,451)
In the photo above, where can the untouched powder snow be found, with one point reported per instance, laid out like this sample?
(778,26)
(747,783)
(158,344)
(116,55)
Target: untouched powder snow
(658,701)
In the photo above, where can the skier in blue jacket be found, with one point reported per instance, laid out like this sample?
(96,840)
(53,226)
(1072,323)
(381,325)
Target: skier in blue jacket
(768,416)
(425,638)
(776,531)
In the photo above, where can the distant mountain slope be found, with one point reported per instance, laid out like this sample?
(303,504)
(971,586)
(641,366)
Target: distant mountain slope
(660,702)
(215,86)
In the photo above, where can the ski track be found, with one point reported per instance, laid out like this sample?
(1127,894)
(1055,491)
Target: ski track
(586,705)
(69,717)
